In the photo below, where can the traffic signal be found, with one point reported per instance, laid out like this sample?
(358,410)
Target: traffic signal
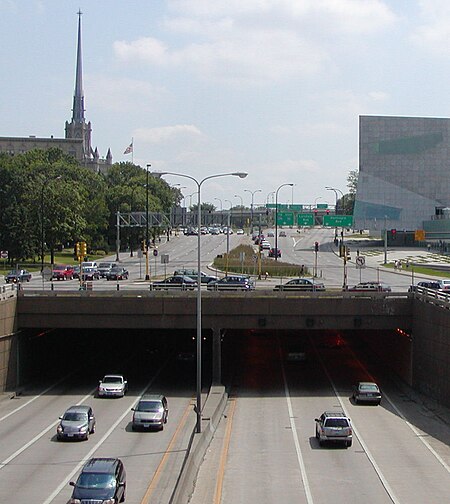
(328,212)
(393,233)
(316,246)
(81,249)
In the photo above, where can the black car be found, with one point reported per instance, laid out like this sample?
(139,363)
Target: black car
(117,273)
(301,284)
(100,480)
(425,285)
(194,275)
(232,282)
(180,282)
(90,274)
(274,252)
(16,276)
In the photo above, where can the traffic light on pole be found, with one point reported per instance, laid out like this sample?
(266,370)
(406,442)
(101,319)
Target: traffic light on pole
(393,233)
(78,249)
(316,246)
(83,249)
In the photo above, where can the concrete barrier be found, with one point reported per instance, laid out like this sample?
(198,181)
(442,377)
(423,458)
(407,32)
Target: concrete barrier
(211,415)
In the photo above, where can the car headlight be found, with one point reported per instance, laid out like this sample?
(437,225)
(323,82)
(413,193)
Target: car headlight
(109,501)
(83,428)
(74,501)
(60,429)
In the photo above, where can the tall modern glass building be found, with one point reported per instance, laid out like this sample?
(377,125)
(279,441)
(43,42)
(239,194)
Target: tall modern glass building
(404,172)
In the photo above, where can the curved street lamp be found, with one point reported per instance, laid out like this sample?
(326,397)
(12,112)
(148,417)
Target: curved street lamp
(198,408)
(335,193)
(242,209)
(276,218)
(251,207)
(221,210)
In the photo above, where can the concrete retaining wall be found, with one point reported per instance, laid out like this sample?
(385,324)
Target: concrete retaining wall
(8,341)
(211,415)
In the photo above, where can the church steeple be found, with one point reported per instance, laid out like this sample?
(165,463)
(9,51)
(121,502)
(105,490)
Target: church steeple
(78,97)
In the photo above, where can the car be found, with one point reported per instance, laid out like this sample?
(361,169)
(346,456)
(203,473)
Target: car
(62,272)
(232,282)
(76,423)
(89,264)
(370,287)
(264,245)
(239,231)
(296,353)
(76,271)
(334,426)
(425,285)
(112,386)
(117,273)
(273,252)
(105,267)
(102,480)
(181,282)
(301,284)
(193,274)
(151,411)
(367,392)
(270,234)
(282,234)
(90,274)
(16,276)
(444,284)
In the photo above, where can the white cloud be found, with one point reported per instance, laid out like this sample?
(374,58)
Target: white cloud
(167,133)
(433,32)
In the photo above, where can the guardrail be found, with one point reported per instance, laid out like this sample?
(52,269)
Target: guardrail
(8,291)
(433,296)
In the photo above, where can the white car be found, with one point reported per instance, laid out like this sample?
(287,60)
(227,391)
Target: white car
(112,386)
(239,231)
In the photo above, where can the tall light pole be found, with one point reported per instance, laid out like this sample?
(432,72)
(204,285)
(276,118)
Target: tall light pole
(335,192)
(242,208)
(45,182)
(221,210)
(147,238)
(251,207)
(276,218)
(198,408)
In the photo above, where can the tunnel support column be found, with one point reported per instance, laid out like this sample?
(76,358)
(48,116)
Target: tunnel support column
(216,356)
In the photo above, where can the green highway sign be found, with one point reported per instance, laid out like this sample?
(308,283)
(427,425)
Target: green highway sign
(285,219)
(322,205)
(296,208)
(338,220)
(305,219)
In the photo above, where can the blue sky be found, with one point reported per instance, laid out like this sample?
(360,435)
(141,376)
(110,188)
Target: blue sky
(271,87)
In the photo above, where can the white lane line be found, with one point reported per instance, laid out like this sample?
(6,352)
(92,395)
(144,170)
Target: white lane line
(42,433)
(33,399)
(301,462)
(99,443)
(369,455)
(403,417)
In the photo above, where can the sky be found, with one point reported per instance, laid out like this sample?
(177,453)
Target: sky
(273,88)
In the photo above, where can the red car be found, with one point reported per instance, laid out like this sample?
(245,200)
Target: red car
(62,272)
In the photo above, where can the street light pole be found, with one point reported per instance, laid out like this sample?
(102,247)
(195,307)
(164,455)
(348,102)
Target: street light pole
(221,210)
(251,207)
(276,218)
(147,238)
(242,209)
(45,182)
(198,408)
(335,192)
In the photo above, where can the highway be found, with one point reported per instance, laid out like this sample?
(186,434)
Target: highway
(35,467)
(296,247)
(266,450)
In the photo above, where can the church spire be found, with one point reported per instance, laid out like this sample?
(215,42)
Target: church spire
(78,97)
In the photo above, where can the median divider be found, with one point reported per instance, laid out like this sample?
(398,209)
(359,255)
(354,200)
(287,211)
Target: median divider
(211,415)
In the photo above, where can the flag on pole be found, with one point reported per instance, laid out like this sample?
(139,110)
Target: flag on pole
(129,149)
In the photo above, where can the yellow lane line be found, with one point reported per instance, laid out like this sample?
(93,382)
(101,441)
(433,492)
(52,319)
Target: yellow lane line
(224,455)
(158,472)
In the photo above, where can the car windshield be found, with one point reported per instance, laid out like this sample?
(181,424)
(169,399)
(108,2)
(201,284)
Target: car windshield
(112,379)
(104,265)
(148,406)
(368,388)
(71,416)
(336,422)
(96,480)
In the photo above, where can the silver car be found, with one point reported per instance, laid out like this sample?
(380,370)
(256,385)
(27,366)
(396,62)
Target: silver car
(334,427)
(151,411)
(367,392)
(112,386)
(76,423)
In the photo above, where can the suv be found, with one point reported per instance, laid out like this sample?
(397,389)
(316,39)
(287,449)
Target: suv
(76,423)
(100,480)
(151,411)
(104,268)
(62,272)
(334,426)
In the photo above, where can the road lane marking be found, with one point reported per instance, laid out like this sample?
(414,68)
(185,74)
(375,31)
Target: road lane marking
(162,463)
(99,443)
(33,399)
(369,455)
(42,433)
(224,455)
(301,462)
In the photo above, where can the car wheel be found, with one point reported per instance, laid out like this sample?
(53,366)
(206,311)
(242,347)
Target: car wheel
(93,429)
(348,444)
(321,443)
(133,428)
(122,499)
(87,436)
